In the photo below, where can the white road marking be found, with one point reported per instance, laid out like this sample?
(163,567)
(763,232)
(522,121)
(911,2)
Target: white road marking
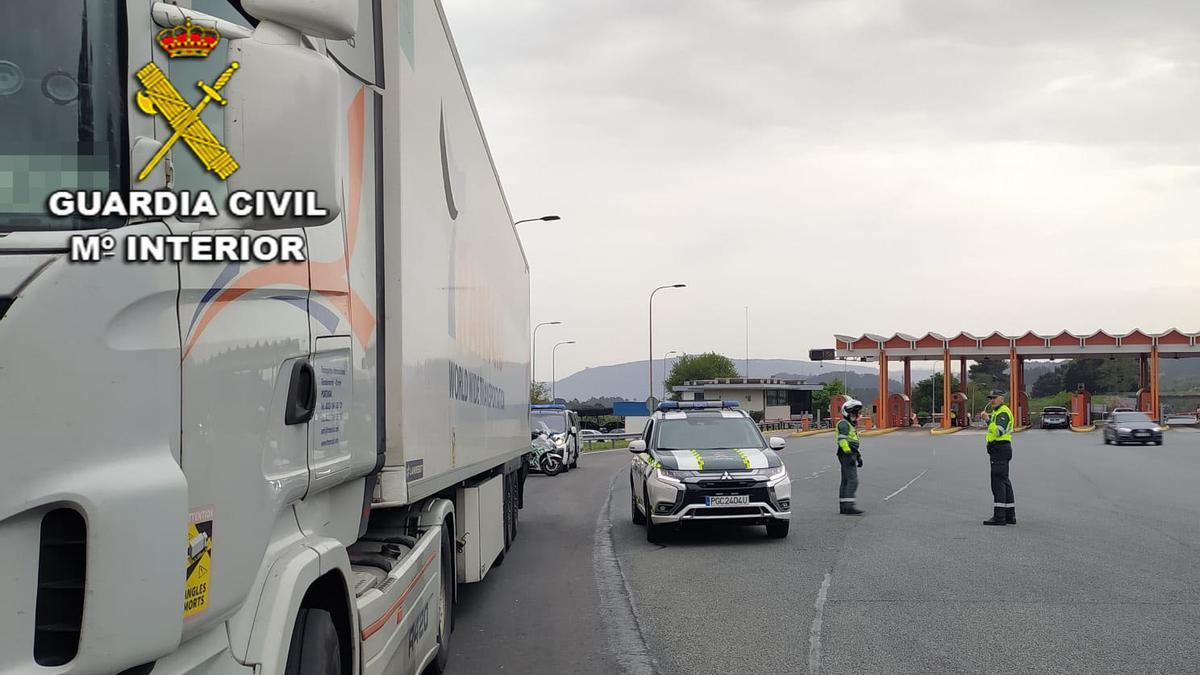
(814,632)
(617,609)
(905,486)
(817,474)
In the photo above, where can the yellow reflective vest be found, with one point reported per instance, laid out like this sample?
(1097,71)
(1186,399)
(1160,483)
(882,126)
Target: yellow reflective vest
(847,436)
(1000,424)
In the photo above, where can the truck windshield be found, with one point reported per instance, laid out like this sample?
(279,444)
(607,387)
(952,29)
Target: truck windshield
(62,107)
(708,431)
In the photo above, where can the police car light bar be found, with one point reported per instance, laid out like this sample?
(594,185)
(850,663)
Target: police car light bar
(547,406)
(696,405)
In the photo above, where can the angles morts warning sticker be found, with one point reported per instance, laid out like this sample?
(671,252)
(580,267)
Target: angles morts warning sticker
(199,561)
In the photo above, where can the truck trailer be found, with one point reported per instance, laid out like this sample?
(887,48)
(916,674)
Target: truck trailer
(251,466)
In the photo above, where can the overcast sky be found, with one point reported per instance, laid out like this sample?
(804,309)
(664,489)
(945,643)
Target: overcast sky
(842,166)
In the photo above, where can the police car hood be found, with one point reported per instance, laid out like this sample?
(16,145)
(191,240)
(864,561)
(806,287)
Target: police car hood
(718,459)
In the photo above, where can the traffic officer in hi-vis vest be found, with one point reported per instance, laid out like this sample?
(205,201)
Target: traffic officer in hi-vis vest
(999,447)
(848,455)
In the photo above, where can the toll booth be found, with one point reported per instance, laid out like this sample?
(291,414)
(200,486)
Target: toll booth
(1081,408)
(958,404)
(835,407)
(1022,411)
(1145,403)
(899,412)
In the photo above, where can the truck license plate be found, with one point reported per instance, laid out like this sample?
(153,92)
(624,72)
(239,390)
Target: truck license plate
(726,500)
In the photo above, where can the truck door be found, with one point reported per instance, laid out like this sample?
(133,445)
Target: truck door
(244,326)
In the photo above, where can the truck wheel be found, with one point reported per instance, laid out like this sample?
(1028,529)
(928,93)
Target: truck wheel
(516,504)
(445,612)
(638,517)
(314,649)
(778,529)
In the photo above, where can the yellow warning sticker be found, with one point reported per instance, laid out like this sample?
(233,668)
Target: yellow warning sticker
(199,561)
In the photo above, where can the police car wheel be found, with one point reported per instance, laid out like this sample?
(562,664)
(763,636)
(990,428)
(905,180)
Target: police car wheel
(654,533)
(639,518)
(778,529)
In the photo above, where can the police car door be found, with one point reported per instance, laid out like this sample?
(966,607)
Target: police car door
(643,464)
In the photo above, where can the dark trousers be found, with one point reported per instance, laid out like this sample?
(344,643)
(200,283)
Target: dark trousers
(1000,454)
(849,477)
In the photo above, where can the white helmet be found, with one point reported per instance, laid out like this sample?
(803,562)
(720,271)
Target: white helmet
(851,406)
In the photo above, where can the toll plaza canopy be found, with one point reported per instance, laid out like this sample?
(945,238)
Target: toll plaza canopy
(1148,347)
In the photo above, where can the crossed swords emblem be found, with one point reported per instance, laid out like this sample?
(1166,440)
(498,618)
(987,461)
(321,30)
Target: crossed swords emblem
(161,97)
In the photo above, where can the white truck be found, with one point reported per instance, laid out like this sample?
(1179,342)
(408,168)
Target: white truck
(252,467)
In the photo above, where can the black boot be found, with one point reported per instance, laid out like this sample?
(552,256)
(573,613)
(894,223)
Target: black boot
(1011,515)
(999,517)
(849,510)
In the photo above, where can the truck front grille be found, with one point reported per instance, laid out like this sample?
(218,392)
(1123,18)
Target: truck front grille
(62,564)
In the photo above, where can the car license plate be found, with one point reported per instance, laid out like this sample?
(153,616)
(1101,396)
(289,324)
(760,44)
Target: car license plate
(1141,432)
(726,500)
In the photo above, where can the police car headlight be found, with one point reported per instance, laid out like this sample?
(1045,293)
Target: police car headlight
(775,475)
(670,475)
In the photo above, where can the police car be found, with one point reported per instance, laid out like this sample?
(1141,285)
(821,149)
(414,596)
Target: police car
(560,426)
(707,460)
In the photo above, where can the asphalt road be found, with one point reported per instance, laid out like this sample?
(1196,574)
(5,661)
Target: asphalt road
(1101,574)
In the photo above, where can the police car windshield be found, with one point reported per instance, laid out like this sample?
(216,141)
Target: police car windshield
(555,423)
(708,430)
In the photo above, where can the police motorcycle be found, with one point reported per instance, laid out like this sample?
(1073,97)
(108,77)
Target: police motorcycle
(546,455)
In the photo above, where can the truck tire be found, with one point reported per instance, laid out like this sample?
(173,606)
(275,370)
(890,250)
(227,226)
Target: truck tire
(445,618)
(514,505)
(314,649)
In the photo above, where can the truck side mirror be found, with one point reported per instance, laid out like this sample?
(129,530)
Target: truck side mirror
(637,447)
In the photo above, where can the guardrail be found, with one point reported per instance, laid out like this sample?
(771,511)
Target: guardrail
(614,439)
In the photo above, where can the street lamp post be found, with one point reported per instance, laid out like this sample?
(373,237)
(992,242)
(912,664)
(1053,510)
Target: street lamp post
(545,219)
(665,372)
(533,354)
(650,365)
(553,377)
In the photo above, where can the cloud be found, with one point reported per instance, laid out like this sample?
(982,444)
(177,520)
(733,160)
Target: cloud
(842,166)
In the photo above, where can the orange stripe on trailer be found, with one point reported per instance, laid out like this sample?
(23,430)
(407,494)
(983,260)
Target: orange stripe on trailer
(394,610)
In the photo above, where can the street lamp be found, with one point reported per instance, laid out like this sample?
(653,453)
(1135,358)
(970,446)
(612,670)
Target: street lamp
(543,219)
(665,372)
(533,354)
(650,365)
(553,379)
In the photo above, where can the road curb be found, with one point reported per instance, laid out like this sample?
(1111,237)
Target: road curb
(943,432)
(1083,430)
(879,432)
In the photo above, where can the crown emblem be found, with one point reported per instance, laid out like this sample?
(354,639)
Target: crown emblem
(188,40)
